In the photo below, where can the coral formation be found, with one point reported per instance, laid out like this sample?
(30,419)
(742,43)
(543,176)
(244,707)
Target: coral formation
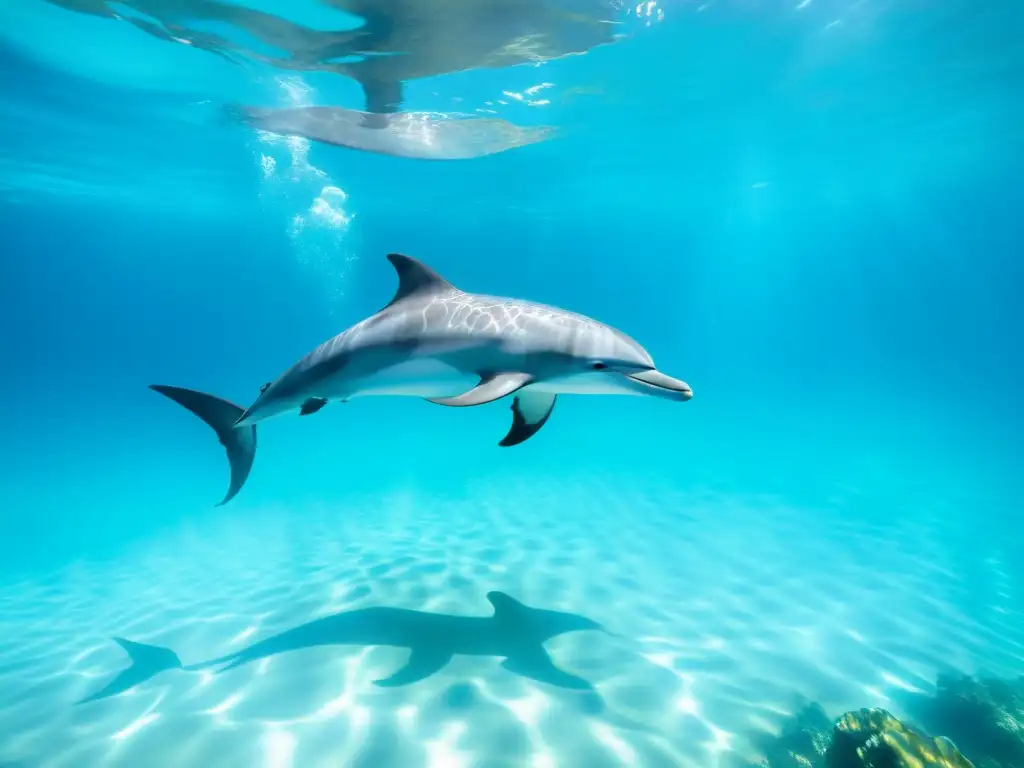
(981,722)
(866,738)
(985,717)
(803,742)
(873,738)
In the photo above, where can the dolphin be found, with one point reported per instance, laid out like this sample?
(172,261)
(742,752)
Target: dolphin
(418,135)
(449,347)
(515,632)
(403,40)
(396,41)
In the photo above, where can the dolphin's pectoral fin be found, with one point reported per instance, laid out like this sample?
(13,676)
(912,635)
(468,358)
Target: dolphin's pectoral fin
(422,663)
(530,411)
(491,387)
(312,405)
(535,664)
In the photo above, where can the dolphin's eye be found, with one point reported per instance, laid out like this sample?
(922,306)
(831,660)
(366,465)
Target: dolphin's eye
(265,387)
(598,366)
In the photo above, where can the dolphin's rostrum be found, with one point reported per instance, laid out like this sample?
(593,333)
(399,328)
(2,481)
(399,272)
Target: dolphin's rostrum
(452,348)
(515,632)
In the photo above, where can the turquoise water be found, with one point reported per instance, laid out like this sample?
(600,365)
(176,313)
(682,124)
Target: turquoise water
(807,211)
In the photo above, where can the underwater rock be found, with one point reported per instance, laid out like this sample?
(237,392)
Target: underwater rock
(984,717)
(873,738)
(803,742)
(419,135)
(865,738)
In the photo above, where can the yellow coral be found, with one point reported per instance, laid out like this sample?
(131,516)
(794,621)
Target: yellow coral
(913,749)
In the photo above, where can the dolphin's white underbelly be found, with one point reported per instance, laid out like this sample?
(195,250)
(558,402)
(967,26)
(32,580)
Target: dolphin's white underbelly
(417,377)
(586,384)
(433,377)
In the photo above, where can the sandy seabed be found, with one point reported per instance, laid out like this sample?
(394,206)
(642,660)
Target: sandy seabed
(725,614)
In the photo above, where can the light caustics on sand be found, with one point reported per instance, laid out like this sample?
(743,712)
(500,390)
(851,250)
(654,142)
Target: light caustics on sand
(718,634)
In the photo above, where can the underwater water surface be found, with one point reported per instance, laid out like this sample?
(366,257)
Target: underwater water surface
(807,211)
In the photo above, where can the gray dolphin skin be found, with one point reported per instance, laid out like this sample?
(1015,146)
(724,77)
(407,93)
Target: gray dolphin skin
(436,342)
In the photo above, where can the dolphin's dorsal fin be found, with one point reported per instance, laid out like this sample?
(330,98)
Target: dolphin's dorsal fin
(507,608)
(415,277)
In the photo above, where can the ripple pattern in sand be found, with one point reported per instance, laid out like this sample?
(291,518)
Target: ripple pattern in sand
(727,612)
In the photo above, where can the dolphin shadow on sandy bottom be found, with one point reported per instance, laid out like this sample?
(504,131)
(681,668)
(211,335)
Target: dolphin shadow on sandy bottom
(515,632)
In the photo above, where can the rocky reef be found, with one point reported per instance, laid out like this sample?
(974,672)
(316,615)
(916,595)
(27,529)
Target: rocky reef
(803,742)
(866,738)
(984,717)
(873,738)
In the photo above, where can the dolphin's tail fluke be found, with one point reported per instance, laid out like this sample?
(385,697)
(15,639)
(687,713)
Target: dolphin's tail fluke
(239,442)
(147,661)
